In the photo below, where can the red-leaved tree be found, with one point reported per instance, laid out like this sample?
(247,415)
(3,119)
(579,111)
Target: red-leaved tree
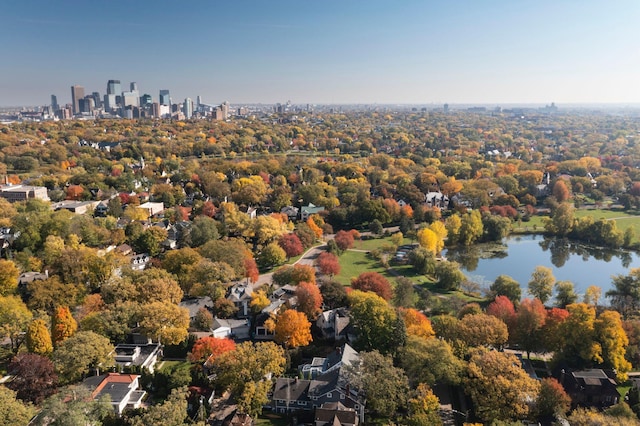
(309,299)
(291,245)
(251,272)
(502,307)
(34,377)
(328,264)
(375,282)
(344,240)
(208,348)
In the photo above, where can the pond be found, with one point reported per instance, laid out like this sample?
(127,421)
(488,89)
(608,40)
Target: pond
(518,256)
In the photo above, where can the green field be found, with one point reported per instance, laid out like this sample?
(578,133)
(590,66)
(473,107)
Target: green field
(353,263)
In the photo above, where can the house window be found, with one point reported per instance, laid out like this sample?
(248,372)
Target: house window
(357,407)
(341,396)
(281,401)
(302,402)
(329,395)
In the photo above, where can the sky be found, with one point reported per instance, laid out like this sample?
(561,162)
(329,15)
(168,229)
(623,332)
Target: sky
(325,51)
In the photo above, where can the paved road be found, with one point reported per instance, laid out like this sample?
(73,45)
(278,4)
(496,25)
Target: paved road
(306,259)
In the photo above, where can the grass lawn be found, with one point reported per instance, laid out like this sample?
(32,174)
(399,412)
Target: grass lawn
(623,389)
(353,263)
(173,365)
(623,219)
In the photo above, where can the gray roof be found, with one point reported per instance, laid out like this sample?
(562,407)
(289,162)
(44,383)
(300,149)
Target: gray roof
(287,389)
(193,305)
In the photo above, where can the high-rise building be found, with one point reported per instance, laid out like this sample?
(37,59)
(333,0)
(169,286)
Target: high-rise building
(54,103)
(187,108)
(77,93)
(96,99)
(164,97)
(145,100)
(133,86)
(113,87)
(198,102)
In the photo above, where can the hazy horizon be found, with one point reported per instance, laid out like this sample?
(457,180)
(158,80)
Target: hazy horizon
(326,53)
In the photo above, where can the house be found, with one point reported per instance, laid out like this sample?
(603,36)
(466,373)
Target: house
(309,210)
(590,388)
(334,414)
(152,208)
(193,305)
(333,323)
(121,389)
(76,207)
(28,277)
(436,199)
(233,328)
(240,294)
(140,261)
(327,390)
(140,355)
(291,212)
(252,212)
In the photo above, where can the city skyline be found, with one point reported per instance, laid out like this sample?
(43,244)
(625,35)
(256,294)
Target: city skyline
(411,52)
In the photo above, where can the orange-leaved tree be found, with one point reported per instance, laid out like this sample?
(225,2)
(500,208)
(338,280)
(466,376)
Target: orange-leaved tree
(207,349)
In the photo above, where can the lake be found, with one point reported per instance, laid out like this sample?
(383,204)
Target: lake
(518,256)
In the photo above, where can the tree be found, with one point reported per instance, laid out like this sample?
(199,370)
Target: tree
(560,191)
(317,231)
(344,240)
(512,390)
(471,228)
(328,264)
(529,324)
(291,245)
(150,241)
(309,299)
(80,353)
(14,319)
(504,285)
(207,349)
(429,240)
(224,308)
(541,283)
(375,321)
(424,407)
(38,338)
(375,282)
(249,363)
(333,294)
(416,323)
(9,274)
(202,230)
(203,320)
(592,295)
(12,411)
(561,221)
(625,294)
(251,271)
(565,294)
(578,345)
(552,400)
(453,224)
(303,273)
(34,378)
(483,330)
(613,340)
(166,322)
(259,301)
(272,255)
(47,294)
(63,325)
(422,260)
(254,397)
(404,293)
(172,412)
(502,308)
(430,361)
(385,386)
(449,275)
(293,329)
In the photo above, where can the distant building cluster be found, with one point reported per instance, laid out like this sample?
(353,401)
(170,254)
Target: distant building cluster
(130,104)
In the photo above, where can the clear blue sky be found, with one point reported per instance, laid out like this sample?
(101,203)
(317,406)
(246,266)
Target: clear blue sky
(325,51)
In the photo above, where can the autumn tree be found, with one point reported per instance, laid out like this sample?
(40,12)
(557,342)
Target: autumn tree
(592,295)
(63,325)
(483,330)
(529,325)
(552,400)
(512,390)
(291,245)
(422,260)
(613,341)
(333,294)
(203,320)
(76,356)
(328,264)
(578,346)
(376,322)
(471,228)
(34,378)
(561,221)
(625,293)
(565,293)
(14,319)
(293,329)
(173,411)
(309,299)
(38,338)
(423,407)
(374,282)
(502,308)
(259,301)
(541,283)
(13,411)
(251,272)
(560,191)
(416,323)
(429,240)
(344,240)
(164,321)
(9,274)
(207,349)
(271,255)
